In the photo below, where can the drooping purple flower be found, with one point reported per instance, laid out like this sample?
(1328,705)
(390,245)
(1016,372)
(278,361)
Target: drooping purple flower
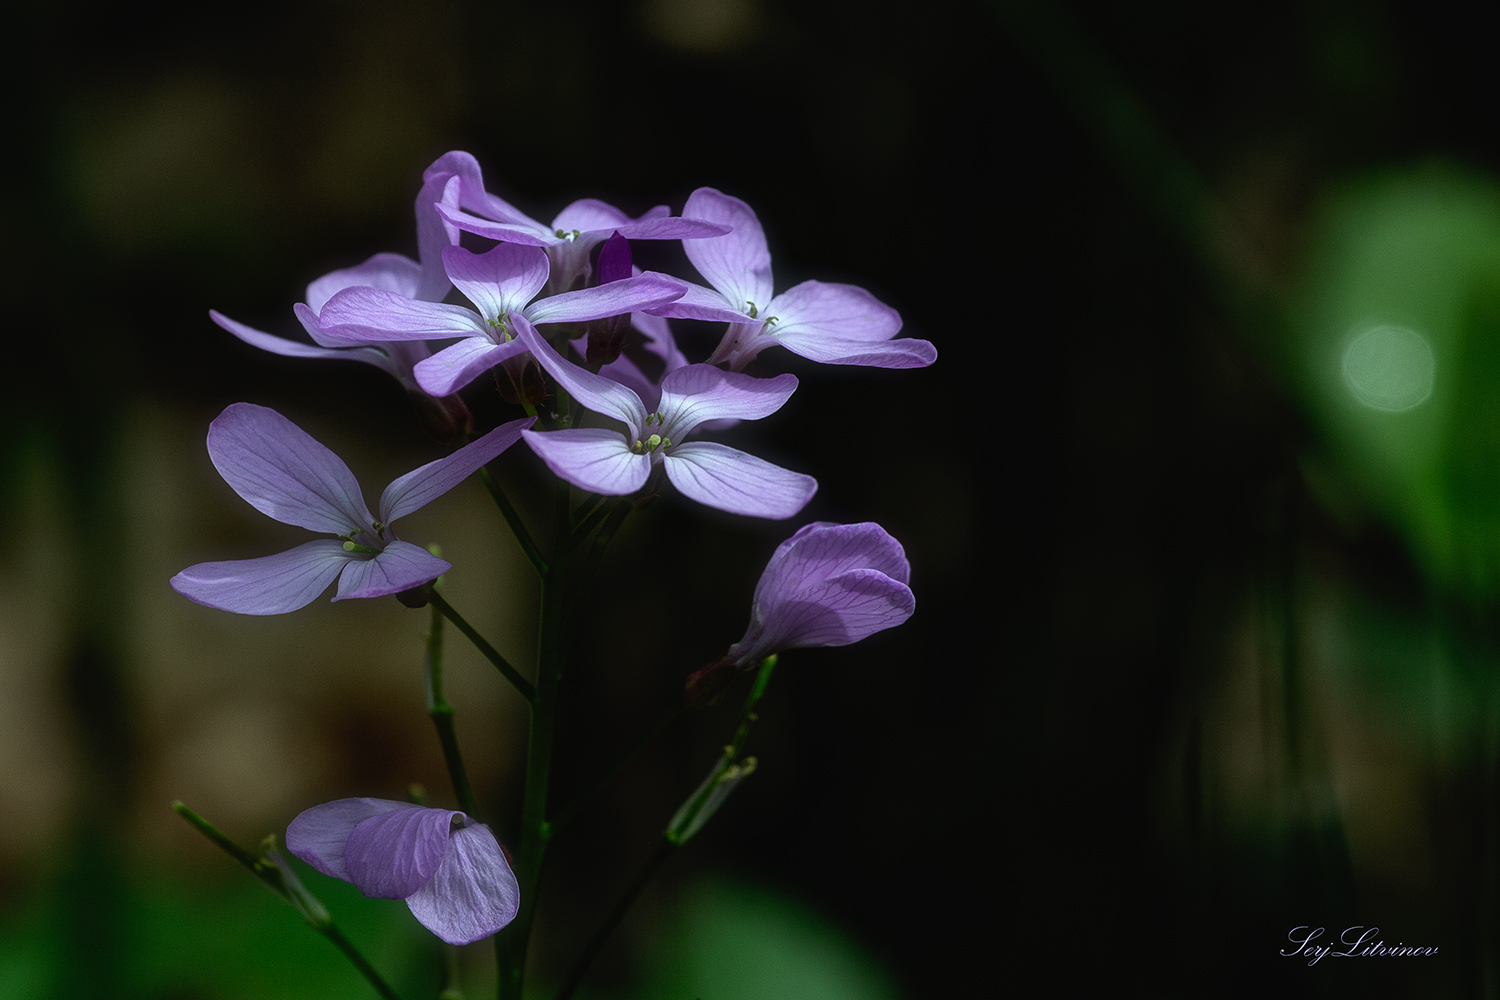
(282,472)
(449,868)
(832,323)
(827,585)
(500,282)
(571,235)
(614,464)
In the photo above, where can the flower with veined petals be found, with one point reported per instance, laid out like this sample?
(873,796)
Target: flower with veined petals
(449,869)
(827,585)
(501,281)
(282,472)
(571,235)
(614,464)
(832,323)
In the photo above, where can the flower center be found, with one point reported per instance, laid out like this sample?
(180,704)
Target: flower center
(366,542)
(502,329)
(564,234)
(653,442)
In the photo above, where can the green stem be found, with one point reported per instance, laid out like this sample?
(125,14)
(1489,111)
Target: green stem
(682,827)
(513,518)
(581,802)
(490,653)
(441,714)
(664,849)
(511,946)
(686,822)
(272,870)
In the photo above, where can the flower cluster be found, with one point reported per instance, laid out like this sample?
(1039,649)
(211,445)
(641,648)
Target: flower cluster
(494,291)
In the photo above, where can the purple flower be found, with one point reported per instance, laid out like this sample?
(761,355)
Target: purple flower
(500,282)
(834,324)
(827,585)
(614,464)
(449,869)
(285,474)
(571,235)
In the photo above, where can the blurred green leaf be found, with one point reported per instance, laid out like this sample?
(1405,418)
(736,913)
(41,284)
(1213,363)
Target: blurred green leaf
(735,942)
(1396,352)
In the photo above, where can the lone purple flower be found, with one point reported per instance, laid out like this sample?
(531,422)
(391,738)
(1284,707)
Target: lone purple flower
(614,464)
(283,473)
(831,323)
(501,281)
(827,585)
(571,235)
(449,869)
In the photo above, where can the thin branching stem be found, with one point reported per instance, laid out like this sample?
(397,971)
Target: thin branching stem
(510,673)
(441,714)
(272,870)
(513,518)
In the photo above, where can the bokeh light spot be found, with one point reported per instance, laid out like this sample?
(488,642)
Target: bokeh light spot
(1389,368)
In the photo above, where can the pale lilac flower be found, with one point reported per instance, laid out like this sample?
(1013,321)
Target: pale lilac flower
(571,235)
(832,323)
(612,463)
(285,474)
(449,868)
(501,281)
(827,585)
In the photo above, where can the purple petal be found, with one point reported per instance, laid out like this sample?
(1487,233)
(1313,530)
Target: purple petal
(400,566)
(526,234)
(596,392)
(614,260)
(270,585)
(358,315)
(907,352)
(588,214)
(592,458)
(283,473)
(472,195)
(823,549)
(296,349)
(434,233)
(843,312)
(833,612)
(705,304)
(629,374)
(673,229)
(420,487)
(726,479)
(318,835)
(645,291)
(457,365)
(392,854)
(738,265)
(390,271)
(695,393)
(473,893)
(500,280)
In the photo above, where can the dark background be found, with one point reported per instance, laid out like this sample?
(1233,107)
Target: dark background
(1101,484)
